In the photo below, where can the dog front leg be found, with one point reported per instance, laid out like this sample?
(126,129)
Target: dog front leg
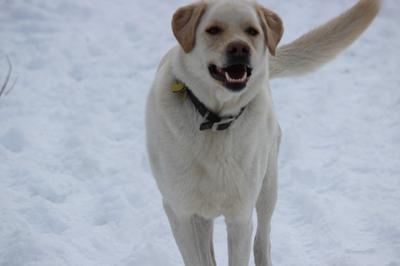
(239,241)
(193,235)
(265,206)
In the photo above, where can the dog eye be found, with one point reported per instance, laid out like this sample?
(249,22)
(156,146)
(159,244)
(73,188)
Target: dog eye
(214,30)
(252,31)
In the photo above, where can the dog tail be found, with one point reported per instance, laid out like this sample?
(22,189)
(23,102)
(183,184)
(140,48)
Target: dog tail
(324,43)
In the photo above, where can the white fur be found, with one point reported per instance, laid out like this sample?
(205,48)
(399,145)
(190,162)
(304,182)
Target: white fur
(206,174)
(324,43)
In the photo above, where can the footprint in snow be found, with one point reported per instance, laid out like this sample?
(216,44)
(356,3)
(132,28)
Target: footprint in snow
(13,140)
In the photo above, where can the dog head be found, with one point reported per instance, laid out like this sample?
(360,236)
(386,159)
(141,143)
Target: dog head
(226,42)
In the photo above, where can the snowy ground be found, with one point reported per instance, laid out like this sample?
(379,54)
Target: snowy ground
(75,185)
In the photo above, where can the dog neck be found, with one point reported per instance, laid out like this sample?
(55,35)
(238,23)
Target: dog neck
(211,120)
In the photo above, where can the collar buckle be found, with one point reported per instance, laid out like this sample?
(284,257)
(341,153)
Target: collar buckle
(223,124)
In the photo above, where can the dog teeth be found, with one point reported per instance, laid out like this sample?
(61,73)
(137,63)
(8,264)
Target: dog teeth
(232,80)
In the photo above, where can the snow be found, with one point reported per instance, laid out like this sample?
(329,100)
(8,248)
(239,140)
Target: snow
(75,184)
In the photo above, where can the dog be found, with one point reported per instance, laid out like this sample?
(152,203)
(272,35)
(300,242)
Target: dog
(212,135)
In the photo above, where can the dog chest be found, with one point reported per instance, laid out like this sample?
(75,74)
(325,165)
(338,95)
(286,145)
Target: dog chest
(217,176)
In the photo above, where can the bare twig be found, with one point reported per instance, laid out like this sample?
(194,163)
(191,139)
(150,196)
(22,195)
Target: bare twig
(7,80)
(11,87)
(4,86)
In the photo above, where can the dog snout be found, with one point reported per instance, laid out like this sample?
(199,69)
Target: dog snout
(238,53)
(238,49)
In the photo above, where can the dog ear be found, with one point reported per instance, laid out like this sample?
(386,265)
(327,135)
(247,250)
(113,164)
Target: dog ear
(185,22)
(272,26)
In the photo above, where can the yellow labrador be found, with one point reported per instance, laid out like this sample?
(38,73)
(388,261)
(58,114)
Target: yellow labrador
(212,134)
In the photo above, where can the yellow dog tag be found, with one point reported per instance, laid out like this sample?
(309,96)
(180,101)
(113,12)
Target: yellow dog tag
(179,89)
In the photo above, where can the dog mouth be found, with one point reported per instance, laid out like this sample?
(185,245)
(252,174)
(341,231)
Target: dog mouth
(233,77)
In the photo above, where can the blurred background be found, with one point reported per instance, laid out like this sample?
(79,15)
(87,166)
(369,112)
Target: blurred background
(75,184)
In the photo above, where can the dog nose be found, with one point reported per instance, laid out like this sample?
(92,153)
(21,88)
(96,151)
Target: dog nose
(238,49)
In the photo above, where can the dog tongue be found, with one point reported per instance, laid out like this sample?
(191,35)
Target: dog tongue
(236,71)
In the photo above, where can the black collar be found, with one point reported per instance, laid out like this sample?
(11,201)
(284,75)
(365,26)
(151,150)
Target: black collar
(211,119)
